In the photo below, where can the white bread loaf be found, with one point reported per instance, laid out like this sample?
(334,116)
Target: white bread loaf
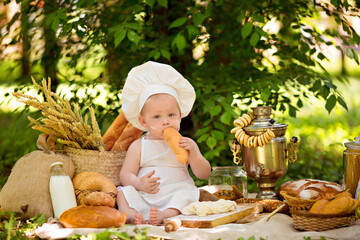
(311,189)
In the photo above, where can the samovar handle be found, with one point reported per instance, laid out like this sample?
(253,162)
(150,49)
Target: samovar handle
(293,148)
(236,150)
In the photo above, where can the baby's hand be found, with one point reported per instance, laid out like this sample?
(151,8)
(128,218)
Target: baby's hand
(190,145)
(149,184)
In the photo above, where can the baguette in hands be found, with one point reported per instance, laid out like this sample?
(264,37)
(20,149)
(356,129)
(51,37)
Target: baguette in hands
(114,131)
(129,135)
(172,137)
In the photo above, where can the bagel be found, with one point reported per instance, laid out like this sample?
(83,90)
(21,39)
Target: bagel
(247,117)
(243,120)
(86,184)
(255,142)
(235,129)
(239,123)
(98,199)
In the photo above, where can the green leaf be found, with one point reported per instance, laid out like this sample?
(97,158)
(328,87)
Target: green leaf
(202,138)
(50,18)
(55,24)
(254,39)
(133,25)
(304,48)
(356,57)
(180,42)
(226,118)
(324,91)
(165,53)
(265,94)
(330,85)
(80,33)
(119,36)
(150,2)
(299,103)
(192,31)
(330,103)
(211,142)
(217,135)
(321,56)
(342,102)
(215,110)
(154,54)
(163,3)
(246,30)
(292,111)
(202,131)
(62,15)
(349,53)
(316,86)
(178,22)
(133,36)
(198,18)
(258,18)
(220,126)
(261,32)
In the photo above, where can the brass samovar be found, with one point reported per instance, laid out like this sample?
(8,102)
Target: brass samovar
(267,163)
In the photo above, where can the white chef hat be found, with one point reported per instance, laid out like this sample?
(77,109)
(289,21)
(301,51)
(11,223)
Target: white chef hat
(152,78)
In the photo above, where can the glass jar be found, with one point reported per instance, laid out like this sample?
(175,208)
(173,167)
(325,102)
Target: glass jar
(61,190)
(222,178)
(351,164)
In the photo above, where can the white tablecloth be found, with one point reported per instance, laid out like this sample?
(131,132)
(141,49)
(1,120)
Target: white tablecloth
(279,227)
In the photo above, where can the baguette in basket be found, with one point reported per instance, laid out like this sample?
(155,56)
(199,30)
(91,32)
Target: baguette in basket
(120,134)
(114,131)
(343,203)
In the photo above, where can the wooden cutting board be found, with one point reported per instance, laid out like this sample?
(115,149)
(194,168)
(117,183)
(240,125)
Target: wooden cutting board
(194,221)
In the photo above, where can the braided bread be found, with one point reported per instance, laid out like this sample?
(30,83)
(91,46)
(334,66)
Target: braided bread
(311,189)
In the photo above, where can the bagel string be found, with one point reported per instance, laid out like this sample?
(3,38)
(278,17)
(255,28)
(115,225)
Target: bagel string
(246,140)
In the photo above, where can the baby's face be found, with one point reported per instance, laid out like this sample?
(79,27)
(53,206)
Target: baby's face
(159,112)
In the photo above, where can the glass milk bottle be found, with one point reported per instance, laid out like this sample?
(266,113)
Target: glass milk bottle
(61,190)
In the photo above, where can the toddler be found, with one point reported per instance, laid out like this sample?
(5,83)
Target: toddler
(154,185)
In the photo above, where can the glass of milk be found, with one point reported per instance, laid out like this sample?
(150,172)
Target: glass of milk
(61,190)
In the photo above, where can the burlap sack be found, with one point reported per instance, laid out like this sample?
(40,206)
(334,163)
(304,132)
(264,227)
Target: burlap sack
(27,188)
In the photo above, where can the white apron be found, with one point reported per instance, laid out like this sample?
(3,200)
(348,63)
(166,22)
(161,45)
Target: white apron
(177,188)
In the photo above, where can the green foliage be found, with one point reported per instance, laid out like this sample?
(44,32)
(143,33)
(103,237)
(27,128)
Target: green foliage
(114,233)
(231,51)
(17,139)
(11,227)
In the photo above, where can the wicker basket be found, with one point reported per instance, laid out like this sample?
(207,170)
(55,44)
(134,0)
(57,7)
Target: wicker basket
(296,203)
(299,204)
(108,163)
(303,220)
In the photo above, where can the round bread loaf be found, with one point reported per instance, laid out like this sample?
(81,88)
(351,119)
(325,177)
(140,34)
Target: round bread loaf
(92,217)
(311,189)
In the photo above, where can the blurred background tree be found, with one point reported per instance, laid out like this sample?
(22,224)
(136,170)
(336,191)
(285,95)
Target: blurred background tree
(237,54)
